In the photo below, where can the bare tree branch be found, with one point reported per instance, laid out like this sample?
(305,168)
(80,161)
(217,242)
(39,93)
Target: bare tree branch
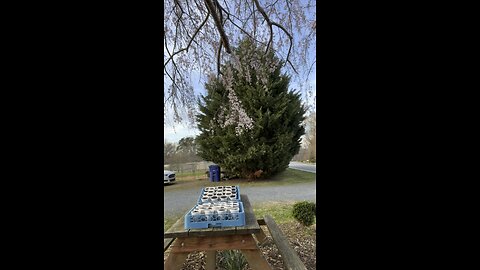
(314,62)
(273,4)
(270,25)
(219,25)
(240,28)
(267,19)
(197,51)
(218,57)
(291,43)
(188,46)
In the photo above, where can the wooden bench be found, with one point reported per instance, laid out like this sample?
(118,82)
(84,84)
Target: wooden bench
(289,256)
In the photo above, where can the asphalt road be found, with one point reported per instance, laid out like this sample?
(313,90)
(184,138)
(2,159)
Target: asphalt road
(307,167)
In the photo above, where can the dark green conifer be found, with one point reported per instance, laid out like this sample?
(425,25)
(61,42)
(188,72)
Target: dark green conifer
(249,120)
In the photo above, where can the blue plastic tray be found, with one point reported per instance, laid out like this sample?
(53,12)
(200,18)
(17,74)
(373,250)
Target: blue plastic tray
(202,222)
(202,193)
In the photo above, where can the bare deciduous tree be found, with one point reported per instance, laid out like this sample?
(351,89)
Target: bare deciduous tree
(311,136)
(199,36)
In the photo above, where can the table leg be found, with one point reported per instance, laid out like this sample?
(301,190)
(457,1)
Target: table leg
(210,260)
(255,259)
(175,261)
(261,237)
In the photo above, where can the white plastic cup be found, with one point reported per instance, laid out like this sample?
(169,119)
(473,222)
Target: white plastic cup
(208,214)
(221,213)
(196,215)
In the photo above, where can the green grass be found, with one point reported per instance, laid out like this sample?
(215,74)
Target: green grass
(287,177)
(280,212)
(195,173)
(291,176)
(169,221)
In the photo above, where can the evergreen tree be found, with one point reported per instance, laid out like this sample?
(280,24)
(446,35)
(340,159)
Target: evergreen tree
(249,120)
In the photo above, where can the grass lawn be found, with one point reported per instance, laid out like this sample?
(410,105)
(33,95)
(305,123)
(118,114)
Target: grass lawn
(200,174)
(199,179)
(168,222)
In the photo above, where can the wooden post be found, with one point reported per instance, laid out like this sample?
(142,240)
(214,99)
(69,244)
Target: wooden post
(210,260)
(289,256)
(255,259)
(175,261)
(261,237)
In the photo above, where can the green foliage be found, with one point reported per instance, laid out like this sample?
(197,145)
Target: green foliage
(304,212)
(232,260)
(273,137)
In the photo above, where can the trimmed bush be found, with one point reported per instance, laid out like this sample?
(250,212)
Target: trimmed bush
(304,212)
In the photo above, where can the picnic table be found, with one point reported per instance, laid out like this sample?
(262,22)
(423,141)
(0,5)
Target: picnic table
(183,241)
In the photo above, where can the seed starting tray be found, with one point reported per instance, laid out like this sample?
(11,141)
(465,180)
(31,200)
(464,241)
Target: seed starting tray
(218,215)
(219,193)
(214,213)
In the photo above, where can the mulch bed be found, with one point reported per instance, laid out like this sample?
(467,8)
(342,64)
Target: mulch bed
(302,240)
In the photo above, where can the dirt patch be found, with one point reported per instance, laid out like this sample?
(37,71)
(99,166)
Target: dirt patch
(301,239)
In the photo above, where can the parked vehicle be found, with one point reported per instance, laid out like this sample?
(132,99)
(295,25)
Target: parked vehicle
(168,177)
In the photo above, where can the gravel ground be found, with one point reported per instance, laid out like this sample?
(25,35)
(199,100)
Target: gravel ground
(180,201)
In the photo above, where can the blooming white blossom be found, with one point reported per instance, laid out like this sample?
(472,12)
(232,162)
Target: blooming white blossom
(243,63)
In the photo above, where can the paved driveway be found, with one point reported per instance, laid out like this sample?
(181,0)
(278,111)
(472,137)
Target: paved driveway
(307,167)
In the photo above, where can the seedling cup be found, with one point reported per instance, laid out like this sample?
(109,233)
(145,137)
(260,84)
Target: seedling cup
(221,213)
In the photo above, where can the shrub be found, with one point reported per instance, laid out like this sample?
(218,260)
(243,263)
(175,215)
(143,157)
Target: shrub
(304,212)
(232,260)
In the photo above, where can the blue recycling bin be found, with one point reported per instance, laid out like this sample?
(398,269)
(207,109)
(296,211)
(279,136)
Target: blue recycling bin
(214,171)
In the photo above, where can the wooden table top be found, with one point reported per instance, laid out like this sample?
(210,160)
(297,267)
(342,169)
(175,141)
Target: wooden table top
(251,225)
